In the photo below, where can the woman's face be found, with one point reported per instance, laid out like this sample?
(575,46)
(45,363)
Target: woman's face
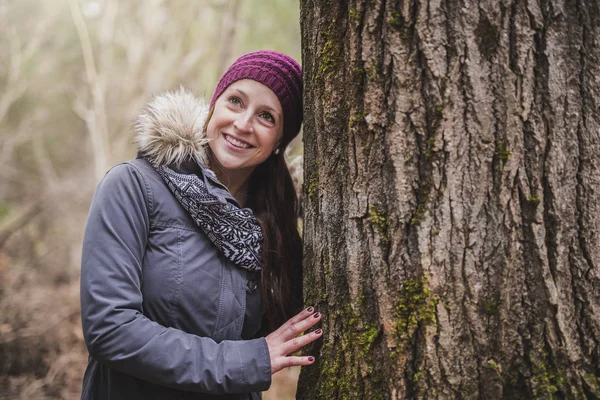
(246,125)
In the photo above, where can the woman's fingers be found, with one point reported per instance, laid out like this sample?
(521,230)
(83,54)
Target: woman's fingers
(295,328)
(288,339)
(296,325)
(299,342)
(301,316)
(293,361)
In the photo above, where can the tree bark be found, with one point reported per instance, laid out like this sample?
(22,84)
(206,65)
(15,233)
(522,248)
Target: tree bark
(452,198)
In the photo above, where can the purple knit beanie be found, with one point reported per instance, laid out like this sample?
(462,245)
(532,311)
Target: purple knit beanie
(280,73)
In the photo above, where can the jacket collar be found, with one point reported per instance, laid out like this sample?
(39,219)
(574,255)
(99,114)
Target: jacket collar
(170,129)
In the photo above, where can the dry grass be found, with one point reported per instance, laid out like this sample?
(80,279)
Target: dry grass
(41,344)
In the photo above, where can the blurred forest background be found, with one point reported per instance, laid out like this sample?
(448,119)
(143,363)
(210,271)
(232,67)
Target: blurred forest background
(73,76)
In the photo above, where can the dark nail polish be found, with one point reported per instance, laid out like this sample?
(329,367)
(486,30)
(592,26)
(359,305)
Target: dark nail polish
(310,309)
(318,332)
(311,359)
(317,315)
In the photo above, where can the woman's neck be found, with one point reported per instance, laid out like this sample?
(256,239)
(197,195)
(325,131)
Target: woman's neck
(236,181)
(239,190)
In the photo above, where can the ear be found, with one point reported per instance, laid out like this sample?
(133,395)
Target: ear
(278,145)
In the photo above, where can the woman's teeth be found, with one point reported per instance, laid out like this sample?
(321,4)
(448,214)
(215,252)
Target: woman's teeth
(236,142)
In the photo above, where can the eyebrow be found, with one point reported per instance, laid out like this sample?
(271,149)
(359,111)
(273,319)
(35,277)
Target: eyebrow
(262,105)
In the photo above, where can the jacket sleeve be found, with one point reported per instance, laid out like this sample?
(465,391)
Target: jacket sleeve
(115,329)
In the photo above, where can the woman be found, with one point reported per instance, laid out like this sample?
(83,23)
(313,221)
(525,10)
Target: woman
(192,246)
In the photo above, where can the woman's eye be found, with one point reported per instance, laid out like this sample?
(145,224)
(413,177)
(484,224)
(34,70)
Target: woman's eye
(268,117)
(234,100)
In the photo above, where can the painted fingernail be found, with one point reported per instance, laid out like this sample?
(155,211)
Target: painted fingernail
(311,359)
(317,315)
(318,332)
(310,309)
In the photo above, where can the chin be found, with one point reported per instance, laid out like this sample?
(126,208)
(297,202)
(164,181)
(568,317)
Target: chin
(231,164)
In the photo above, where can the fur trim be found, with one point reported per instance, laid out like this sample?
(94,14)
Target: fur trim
(170,129)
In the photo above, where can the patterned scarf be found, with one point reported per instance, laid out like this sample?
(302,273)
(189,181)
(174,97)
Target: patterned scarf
(235,231)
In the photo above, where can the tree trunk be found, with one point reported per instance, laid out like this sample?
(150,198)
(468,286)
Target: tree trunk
(452,198)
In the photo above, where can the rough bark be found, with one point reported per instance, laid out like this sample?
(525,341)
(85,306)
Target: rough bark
(452,198)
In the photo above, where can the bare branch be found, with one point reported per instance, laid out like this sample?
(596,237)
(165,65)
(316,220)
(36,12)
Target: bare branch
(95,121)
(230,21)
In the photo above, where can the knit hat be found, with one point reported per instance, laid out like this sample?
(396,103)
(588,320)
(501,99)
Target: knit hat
(280,73)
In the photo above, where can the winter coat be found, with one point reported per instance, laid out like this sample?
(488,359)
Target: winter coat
(165,314)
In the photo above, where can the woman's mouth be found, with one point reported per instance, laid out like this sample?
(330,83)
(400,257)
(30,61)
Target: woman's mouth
(236,143)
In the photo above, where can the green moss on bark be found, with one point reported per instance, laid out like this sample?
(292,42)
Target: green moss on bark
(337,377)
(353,15)
(373,73)
(593,383)
(420,211)
(492,364)
(502,152)
(341,377)
(396,21)
(547,379)
(415,307)
(380,221)
(491,307)
(357,119)
(430,151)
(367,337)
(313,184)
(533,200)
(330,57)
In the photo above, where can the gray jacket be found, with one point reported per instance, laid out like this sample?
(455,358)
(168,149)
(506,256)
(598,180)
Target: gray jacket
(165,315)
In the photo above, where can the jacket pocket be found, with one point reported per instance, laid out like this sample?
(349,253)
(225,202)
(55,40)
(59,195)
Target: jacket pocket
(232,304)
(162,274)
(199,292)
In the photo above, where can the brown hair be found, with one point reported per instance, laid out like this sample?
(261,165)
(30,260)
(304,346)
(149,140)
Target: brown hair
(272,197)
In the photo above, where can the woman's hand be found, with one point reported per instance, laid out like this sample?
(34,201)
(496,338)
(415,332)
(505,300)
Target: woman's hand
(285,340)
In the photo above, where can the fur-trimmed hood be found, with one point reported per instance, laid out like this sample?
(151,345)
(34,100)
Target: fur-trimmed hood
(170,129)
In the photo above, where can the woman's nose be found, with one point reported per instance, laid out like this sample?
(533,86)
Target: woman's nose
(243,123)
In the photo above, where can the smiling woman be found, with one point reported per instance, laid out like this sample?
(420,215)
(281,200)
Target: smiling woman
(192,258)
(245,128)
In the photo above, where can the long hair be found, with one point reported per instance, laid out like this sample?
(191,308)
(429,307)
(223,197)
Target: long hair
(272,197)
